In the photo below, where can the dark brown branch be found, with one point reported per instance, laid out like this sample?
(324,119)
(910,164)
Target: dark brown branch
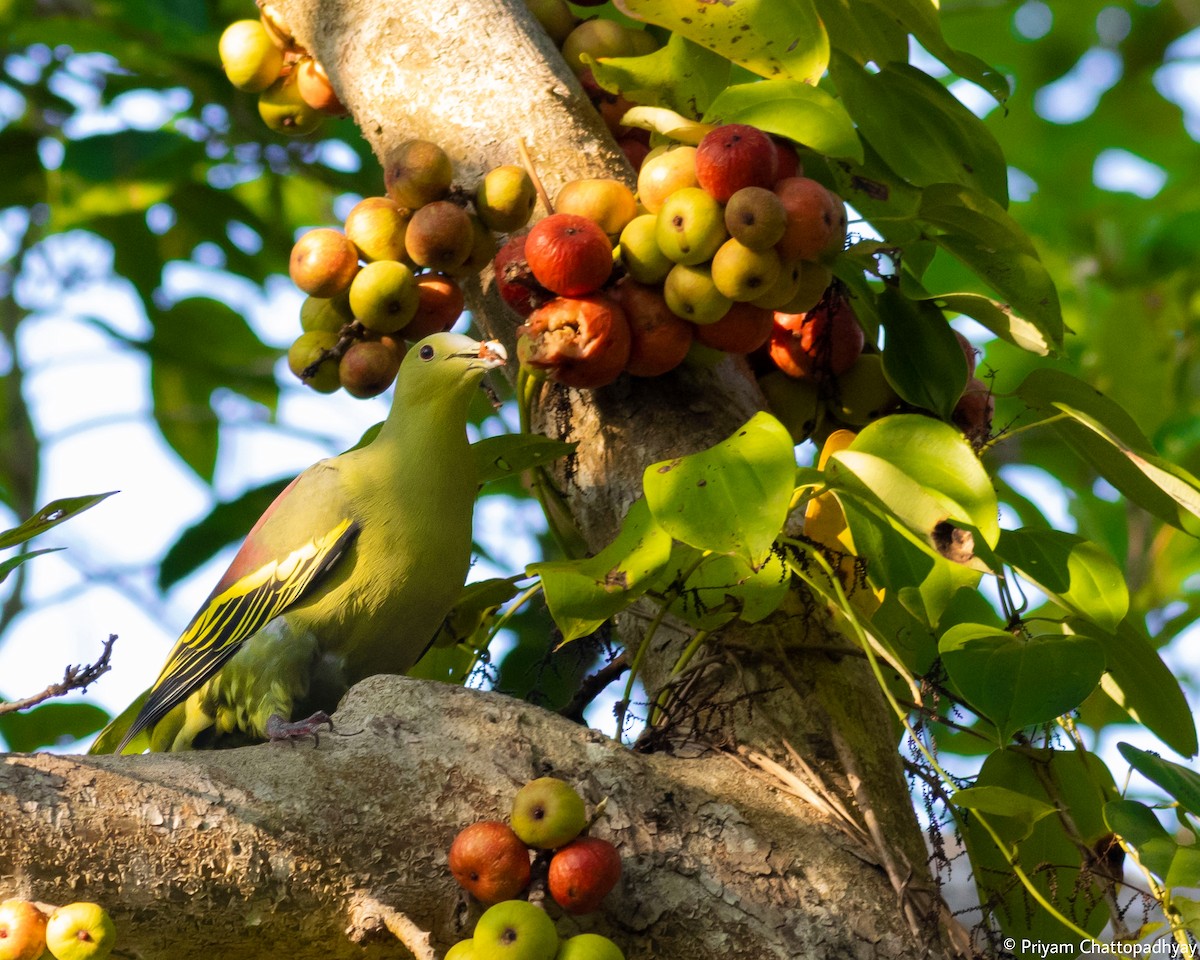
(74,678)
(591,686)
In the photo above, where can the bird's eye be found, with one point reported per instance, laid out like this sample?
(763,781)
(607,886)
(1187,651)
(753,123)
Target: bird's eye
(426,352)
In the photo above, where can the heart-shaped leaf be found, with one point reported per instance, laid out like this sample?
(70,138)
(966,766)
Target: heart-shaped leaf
(1016,682)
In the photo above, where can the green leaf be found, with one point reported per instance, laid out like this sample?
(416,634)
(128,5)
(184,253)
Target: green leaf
(773,38)
(1003,802)
(732,498)
(1182,784)
(998,317)
(921,130)
(1081,785)
(902,564)
(1101,432)
(107,157)
(467,622)
(183,414)
(448,663)
(510,454)
(51,515)
(923,20)
(582,594)
(976,230)
(905,635)
(11,564)
(1143,686)
(1017,682)
(724,588)
(682,76)
(1075,572)
(1175,864)
(789,108)
(201,345)
(922,358)
(49,725)
(924,472)
(879,38)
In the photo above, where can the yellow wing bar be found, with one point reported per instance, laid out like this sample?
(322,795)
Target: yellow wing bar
(220,628)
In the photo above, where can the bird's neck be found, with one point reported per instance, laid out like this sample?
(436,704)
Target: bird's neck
(426,438)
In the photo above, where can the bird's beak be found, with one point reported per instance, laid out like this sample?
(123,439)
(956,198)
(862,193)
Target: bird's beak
(491,355)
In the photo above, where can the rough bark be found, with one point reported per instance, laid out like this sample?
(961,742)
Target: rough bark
(262,846)
(340,851)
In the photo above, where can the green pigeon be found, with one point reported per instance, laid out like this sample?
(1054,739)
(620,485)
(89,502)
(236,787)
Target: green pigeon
(347,574)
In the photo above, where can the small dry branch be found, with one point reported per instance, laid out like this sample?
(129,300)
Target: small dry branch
(75,677)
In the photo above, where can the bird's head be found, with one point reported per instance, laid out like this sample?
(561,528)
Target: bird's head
(445,363)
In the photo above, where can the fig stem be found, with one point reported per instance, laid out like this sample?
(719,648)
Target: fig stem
(527,163)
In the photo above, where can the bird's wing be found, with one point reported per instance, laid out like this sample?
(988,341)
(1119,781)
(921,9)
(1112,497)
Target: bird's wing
(275,566)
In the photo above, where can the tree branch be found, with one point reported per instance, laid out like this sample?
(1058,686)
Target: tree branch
(74,678)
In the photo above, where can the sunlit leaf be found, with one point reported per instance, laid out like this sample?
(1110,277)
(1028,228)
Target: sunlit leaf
(1100,431)
(732,498)
(924,471)
(582,594)
(789,108)
(722,588)
(773,38)
(907,567)
(681,75)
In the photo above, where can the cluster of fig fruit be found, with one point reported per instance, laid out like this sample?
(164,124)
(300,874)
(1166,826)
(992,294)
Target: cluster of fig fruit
(261,56)
(724,247)
(490,859)
(392,274)
(37,931)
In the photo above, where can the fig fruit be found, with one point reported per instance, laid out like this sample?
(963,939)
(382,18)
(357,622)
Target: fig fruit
(505,198)
(419,172)
(568,254)
(579,342)
(250,58)
(323,262)
(733,156)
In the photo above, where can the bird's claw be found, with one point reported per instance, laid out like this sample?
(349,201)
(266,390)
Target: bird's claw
(287,731)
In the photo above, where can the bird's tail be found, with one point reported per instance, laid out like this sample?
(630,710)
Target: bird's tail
(109,739)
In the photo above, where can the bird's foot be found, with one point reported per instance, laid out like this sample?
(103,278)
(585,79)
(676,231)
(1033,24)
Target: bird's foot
(287,731)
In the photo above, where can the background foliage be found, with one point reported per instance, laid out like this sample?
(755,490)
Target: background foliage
(132,169)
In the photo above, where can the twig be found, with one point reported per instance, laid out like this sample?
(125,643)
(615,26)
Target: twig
(527,163)
(591,686)
(74,678)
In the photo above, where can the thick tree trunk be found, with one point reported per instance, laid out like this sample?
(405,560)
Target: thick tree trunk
(788,833)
